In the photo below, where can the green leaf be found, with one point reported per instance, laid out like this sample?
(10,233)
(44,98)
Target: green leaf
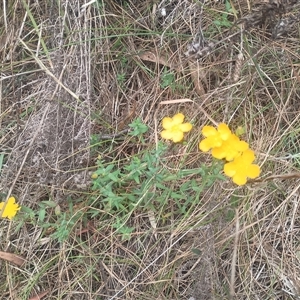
(114,176)
(109,168)
(93,213)
(161,186)
(177,196)
(42,214)
(167,79)
(136,178)
(196,251)
(28,211)
(132,198)
(1,161)
(138,127)
(48,203)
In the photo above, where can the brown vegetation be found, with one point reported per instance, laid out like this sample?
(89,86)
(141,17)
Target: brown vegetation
(73,70)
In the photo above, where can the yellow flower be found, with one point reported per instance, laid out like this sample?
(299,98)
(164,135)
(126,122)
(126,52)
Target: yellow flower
(214,137)
(174,128)
(10,209)
(94,176)
(241,168)
(230,148)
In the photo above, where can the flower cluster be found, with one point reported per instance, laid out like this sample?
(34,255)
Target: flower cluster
(223,145)
(226,145)
(11,208)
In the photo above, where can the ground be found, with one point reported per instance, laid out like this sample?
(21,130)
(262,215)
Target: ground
(109,209)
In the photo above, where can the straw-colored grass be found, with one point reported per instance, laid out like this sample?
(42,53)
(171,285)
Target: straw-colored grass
(75,75)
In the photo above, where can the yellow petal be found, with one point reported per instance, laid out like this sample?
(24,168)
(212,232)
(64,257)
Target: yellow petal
(219,152)
(230,169)
(237,144)
(239,179)
(177,136)
(167,123)
(248,156)
(178,119)
(185,127)
(167,134)
(209,131)
(230,149)
(253,171)
(10,209)
(224,131)
(242,146)
(205,145)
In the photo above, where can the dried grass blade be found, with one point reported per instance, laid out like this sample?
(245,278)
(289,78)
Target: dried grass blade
(16,259)
(39,296)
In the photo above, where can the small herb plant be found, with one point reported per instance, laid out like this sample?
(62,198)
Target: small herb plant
(167,79)
(143,183)
(55,223)
(223,20)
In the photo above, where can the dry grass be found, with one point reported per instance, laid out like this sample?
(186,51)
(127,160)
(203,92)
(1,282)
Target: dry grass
(72,71)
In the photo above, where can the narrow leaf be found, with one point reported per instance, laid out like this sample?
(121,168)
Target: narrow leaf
(16,259)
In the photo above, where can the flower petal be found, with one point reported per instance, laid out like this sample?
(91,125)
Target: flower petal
(253,171)
(239,179)
(177,136)
(230,169)
(167,134)
(230,149)
(205,145)
(224,131)
(178,119)
(185,127)
(167,123)
(10,209)
(209,131)
(241,168)
(248,156)
(219,152)
(242,146)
